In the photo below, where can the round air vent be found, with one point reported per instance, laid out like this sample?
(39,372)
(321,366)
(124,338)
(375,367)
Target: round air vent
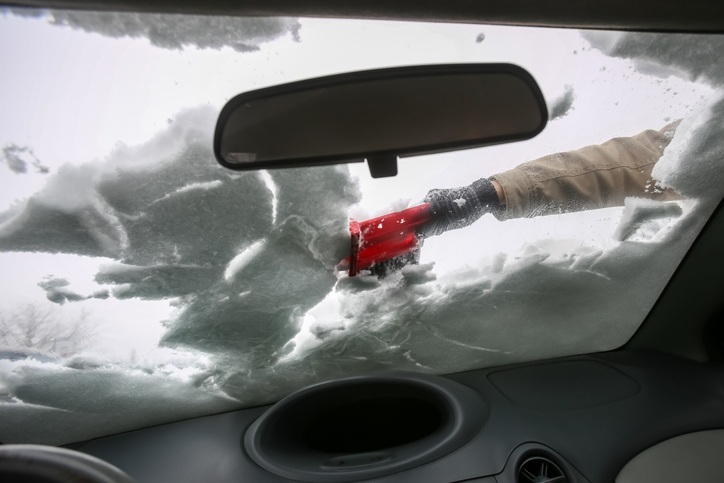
(540,470)
(365,427)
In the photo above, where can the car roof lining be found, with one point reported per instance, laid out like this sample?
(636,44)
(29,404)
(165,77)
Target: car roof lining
(651,15)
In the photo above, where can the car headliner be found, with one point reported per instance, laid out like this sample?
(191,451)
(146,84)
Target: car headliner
(652,15)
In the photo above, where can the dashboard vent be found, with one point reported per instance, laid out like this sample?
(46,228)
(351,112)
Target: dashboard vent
(540,470)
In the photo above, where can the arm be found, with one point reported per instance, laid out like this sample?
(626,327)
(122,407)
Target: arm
(588,178)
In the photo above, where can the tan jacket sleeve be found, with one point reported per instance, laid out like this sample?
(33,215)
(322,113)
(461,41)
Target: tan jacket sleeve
(588,178)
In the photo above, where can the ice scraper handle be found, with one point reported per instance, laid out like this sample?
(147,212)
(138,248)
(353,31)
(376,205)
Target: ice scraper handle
(384,238)
(455,208)
(394,238)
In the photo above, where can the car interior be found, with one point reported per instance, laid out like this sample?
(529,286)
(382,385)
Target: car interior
(650,410)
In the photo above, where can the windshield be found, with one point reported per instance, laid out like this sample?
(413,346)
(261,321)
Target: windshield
(143,283)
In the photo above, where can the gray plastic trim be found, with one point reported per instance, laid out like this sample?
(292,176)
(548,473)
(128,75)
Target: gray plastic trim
(690,457)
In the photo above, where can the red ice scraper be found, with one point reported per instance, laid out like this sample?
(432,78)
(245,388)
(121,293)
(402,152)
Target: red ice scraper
(386,242)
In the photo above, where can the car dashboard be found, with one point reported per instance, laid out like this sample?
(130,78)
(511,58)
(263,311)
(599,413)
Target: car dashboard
(586,416)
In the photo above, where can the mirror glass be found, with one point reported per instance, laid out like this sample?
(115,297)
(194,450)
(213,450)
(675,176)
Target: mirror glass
(389,112)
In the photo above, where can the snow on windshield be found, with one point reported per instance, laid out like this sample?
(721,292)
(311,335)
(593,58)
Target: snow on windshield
(142,279)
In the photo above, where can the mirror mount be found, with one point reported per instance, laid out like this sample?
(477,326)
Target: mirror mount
(382,166)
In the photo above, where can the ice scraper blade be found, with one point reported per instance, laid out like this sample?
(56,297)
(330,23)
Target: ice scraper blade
(389,239)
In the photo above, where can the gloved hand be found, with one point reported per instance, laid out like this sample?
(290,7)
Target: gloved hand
(459,207)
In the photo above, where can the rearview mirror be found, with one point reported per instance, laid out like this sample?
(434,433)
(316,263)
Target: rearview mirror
(379,115)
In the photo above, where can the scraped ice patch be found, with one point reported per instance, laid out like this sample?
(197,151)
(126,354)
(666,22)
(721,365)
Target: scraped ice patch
(190,126)
(13,210)
(237,264)
(562,105)
(648,216)
(585,260)
(361,211)
(58,291)
(322,197)
(76,402)
(72,189)
(208,185)
(688,54)
(32,271)
(175,31)
(282,280)
(316,325)
(657,70)
(98,208)
(604,40)
(531,254)
(157,384)
(183,238)
(285,274)
(691,163)
(498,262)
(272,187)
(418,274)
(155,282)
(560,252)
(287,319)
(697,140)
(556,294)
(19,158)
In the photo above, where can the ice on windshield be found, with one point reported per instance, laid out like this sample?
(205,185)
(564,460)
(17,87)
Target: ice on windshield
(174,31)
(142,279)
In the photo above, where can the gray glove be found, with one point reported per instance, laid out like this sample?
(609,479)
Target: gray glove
(459,207)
